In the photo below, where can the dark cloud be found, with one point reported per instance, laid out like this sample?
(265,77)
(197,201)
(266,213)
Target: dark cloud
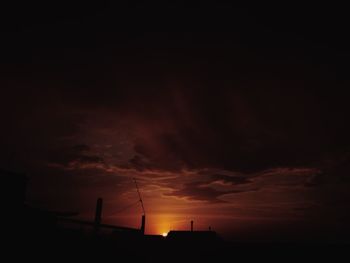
(90,159)
(80,153)
(231,179)
(316,180)
(229,127)
(335,171)
(139,163)
(80,148)
(194,191)
(204,191)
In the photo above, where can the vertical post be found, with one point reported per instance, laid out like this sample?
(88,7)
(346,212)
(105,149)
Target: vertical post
(143,224)
(98,213)
(191,225)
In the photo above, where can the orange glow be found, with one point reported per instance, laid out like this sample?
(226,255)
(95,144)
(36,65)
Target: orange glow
(164,234)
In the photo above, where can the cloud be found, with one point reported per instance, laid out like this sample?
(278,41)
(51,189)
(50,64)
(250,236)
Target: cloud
(204,186)
(80,154)
(231,179)
(334,171)
(204,192)
(194,191)
(209,185)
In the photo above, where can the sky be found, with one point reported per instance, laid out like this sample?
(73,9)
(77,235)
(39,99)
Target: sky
(233,118)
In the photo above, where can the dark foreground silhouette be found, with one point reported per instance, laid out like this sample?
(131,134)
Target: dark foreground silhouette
(45,243)
(33,234)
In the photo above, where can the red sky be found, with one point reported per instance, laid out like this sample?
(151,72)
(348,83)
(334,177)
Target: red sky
(237,126)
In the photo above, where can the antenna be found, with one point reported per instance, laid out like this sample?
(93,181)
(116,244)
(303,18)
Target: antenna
(138,191)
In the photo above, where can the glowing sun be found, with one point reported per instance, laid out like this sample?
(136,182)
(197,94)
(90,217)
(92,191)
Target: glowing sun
(164,234)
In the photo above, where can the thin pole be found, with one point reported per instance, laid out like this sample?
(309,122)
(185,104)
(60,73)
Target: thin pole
(138,191)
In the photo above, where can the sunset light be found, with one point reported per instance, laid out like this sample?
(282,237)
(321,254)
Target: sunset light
(174,133)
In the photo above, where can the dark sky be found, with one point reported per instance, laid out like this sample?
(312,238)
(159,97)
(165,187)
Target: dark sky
(237,118)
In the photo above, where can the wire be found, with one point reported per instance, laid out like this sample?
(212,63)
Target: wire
(137,188)
(126,207)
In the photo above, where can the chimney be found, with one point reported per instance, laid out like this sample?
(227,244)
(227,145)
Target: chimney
(98,212)
(191,225)
(143,224)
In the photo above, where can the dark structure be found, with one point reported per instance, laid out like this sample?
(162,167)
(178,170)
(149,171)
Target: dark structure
(12,190)
(192,236)
(97,223)
(143,224)
(12,201)
(98,213)
(118,232)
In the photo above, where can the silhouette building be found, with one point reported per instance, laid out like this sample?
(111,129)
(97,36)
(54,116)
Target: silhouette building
(192,236)
(12,190)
